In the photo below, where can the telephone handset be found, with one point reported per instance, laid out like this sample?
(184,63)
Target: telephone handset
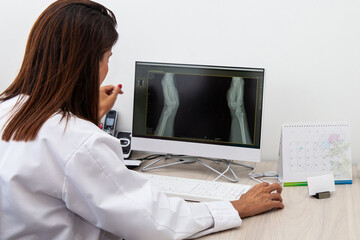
(110,122)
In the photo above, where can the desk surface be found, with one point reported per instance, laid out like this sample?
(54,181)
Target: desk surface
(303,217)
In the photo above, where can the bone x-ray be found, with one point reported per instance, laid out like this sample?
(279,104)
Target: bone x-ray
(197,105)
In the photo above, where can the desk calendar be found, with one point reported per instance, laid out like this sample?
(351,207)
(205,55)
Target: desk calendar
(313,149)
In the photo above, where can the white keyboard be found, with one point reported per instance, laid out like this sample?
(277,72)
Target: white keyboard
(197,190)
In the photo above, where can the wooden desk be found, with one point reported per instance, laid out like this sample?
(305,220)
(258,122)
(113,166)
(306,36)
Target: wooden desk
(303,217)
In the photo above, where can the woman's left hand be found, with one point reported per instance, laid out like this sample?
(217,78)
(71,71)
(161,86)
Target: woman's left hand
(108,95)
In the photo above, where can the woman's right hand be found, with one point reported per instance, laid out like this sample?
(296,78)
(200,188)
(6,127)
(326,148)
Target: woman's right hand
(108,95)
(261,198)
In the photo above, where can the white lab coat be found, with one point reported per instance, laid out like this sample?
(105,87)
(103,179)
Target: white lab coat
(71,183)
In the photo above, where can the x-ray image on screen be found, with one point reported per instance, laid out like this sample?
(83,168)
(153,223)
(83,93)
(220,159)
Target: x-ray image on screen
(201,107)
(165,126)
(235,98)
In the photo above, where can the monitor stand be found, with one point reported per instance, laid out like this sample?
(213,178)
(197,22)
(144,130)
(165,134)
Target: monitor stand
(190,159)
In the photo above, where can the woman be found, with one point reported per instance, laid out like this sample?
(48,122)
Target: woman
(61,176)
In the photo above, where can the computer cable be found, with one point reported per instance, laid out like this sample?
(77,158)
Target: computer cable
(263,176)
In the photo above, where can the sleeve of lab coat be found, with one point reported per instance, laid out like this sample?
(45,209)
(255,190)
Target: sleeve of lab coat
(100,188)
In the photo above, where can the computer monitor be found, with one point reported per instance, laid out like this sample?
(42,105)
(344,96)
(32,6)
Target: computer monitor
(198,110)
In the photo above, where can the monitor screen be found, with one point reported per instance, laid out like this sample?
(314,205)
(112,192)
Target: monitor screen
(205,111)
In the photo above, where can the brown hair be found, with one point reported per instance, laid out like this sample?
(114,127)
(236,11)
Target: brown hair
(60,69)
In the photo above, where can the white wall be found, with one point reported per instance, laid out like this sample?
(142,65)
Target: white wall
(310,51)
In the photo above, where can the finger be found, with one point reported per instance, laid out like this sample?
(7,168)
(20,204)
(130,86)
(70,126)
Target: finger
(274,187)
(261,185)
(109,92)
(118,89)
(108,89)
(276,197)
(277,204)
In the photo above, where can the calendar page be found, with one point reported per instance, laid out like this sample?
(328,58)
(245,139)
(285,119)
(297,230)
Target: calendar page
(313,149)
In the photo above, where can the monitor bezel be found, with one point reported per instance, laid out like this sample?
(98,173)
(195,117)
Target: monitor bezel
(205,150)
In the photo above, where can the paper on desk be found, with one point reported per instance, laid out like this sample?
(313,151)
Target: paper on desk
(323,183)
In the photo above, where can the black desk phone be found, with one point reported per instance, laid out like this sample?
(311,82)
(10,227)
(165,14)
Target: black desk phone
(125,142)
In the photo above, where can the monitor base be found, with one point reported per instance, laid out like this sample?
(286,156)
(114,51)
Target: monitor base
(180,159)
